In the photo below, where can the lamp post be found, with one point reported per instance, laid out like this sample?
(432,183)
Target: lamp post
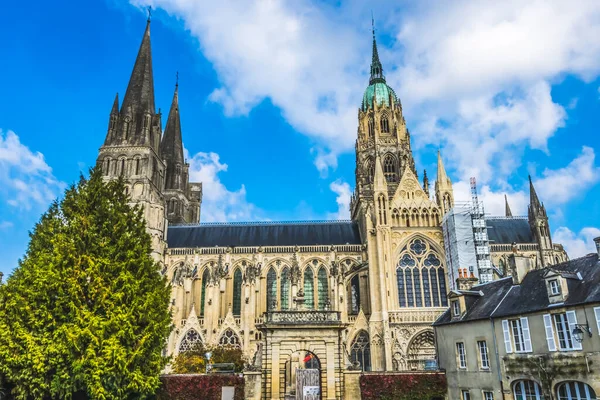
(208,355)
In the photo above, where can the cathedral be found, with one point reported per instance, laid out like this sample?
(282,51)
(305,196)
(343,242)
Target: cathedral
(333,297)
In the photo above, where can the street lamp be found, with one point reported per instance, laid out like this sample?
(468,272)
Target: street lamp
(578,332)
(208,355)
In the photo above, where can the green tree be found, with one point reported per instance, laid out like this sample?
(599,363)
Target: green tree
(86,312)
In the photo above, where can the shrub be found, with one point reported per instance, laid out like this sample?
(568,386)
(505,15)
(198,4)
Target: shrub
(403,386)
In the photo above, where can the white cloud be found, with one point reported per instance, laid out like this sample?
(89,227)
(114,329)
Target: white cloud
(344,193)
(6,225)
(577,244)
(25,178)
(561,185)
(219,204)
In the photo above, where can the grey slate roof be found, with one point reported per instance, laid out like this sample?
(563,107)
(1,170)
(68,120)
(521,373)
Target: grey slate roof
(264,234)
(502,299)
(509,230)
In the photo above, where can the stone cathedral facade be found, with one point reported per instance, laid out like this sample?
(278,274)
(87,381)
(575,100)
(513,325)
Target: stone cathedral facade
(336,296)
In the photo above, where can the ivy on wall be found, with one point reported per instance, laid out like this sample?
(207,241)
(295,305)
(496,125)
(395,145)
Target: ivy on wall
(196,386)
(417,386)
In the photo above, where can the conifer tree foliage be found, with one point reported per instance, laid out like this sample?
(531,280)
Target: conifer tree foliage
(86,312)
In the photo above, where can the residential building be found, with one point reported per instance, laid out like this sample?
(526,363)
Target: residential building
(530,336)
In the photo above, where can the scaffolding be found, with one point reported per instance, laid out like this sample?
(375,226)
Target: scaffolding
(480,236)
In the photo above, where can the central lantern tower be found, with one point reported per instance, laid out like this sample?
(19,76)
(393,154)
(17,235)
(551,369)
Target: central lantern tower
(400,223)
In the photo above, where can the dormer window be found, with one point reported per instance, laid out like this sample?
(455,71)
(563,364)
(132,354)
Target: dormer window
(554,287)
(455,308)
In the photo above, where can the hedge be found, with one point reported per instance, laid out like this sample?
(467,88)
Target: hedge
(403,386)
(196,386)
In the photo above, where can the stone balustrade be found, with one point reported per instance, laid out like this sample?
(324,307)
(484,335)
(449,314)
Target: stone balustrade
(415,315)
(303,317)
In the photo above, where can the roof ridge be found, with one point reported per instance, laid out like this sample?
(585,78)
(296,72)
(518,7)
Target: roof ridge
(261,223)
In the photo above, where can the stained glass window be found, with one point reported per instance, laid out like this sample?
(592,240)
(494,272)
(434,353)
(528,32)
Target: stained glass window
(401,292)
(360,352)
(322,288)
(309,289)
(271,290)
(355,295)
(434,287)
(190,341)
(237,293)
(442,279)
(285,289)
(417,283)
(230,339)
(203,295)
(420,276)
(426,287)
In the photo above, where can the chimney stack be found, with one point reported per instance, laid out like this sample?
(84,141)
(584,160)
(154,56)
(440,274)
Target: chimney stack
(597,241)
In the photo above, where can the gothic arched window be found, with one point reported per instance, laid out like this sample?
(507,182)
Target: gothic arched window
(191,341)
(272,290)
(230,339)
(122,168)
(389,168)
(369,170)
(360,351)
(309,289)
(237,293)
(420,276)
(371,127)
(137,166)
(385,126)
(322,288)
(354,295)
(285,289)
(205,277)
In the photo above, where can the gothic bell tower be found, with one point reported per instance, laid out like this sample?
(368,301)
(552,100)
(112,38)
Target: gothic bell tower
(131,148)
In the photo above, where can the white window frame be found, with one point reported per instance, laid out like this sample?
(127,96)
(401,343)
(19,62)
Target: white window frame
(564,323)
(455,308)
(554,287)
(461,355)
(488,395)
(536,387)
(465,395)
(597,314)
(484,356)
(517,337)
(573,391)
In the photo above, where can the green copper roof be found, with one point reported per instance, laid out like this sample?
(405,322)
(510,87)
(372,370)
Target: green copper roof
(381,91)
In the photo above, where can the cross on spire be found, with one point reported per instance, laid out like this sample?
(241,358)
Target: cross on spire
(376,67)
(149,13)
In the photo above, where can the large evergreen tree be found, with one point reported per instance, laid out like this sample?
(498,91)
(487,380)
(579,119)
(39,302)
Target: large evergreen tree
(86,312)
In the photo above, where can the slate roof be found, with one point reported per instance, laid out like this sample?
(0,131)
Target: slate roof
(509,230)
(502,299)
(264,234)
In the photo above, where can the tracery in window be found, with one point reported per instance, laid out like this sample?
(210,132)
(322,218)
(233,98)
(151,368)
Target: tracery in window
(272,290)
(230,339)
(360,351)
(385,126)
(285,289)
(309,289)
(191,341)
(527,390)
(420,276)
(322,288)
(389,168)
(354,295)
(237,293)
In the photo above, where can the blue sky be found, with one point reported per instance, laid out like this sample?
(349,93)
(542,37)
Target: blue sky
(269,92)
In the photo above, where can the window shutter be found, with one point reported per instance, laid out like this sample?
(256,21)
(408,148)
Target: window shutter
(507,342)
(549,332)
(526,336)
(597,312)
(572,319)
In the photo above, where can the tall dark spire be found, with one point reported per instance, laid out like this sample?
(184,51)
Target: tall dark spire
(507,210)
(115,107)
(139,97)
(376,67)
(535,206)
(171,146)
